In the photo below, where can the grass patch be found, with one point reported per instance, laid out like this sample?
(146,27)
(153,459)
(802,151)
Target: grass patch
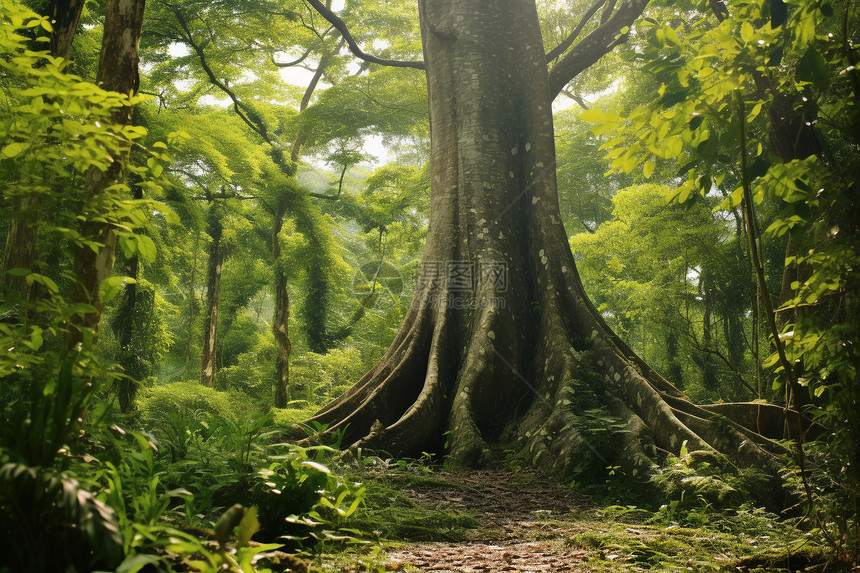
(285,417)
(632,541)
(389,514)
(421,481)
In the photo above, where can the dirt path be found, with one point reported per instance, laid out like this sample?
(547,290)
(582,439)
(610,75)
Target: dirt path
(522,526)
(520,522)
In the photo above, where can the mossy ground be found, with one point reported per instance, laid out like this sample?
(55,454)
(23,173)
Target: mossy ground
(494,521)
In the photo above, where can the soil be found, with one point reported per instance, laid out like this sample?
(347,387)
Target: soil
(520,527)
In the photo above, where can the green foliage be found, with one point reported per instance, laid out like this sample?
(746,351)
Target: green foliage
(785,79)
(40,416)
(662,277)
(43,508)
(288,487)
(695,483)
(660,274)
(390,514)
(302,500)
(159,402)
(317,376)
(600,429)
(134,490)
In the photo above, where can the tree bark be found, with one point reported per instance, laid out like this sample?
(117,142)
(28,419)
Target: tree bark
(20,251)
(65,18)
(118,71)
(281,314)
(209,366)
(125,326)
(520,360)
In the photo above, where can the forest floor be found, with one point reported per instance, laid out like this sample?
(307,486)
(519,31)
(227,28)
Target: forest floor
(521,522)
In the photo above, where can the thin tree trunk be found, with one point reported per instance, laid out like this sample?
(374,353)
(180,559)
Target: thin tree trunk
(209,366)
(20,251)
(709,377)
(281,315)
(192,304)
(125,326)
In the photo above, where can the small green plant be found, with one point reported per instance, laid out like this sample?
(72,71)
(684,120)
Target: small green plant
(135,491)
(319,433)
(695,483)
(338,503)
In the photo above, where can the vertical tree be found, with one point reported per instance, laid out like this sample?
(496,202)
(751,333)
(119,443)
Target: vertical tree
(118,71)
(526,358)
(215,230)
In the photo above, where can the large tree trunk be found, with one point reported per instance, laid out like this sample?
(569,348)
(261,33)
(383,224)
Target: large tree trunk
(118,71)
(519,359)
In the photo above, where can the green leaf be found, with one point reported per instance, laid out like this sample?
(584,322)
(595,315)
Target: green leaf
(683,170)
(673,146)
(135,563)
(672,36)
(128,243)
(747,31)
(248,526)
(672,97)
(111,286)
(36,339)
(42,280)
(775,56)
(648,169)
(759,168)
(18,272)
(317,466)
(598,116)
(146,247)
(13,149)
(813,68)
(696,122)
(81,308)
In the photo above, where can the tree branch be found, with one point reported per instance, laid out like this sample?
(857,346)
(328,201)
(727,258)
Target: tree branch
(561,48)
(339,186)
(607,11)
(719,8)
(578,99)
(594,46)
(293,63)
(240,108)
(341,27)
